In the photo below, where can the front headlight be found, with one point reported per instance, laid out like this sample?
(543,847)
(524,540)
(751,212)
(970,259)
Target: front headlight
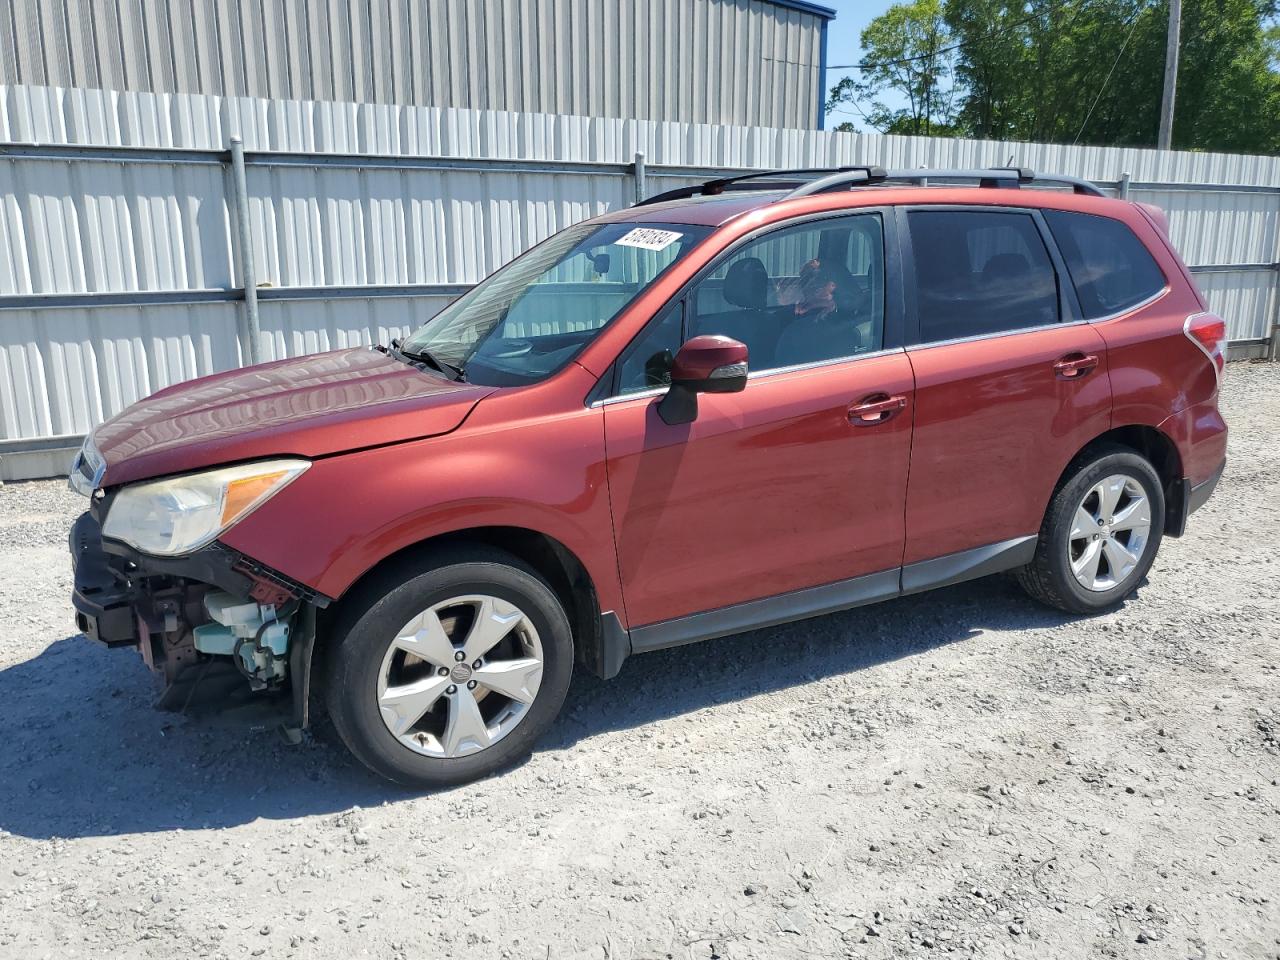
(182,514)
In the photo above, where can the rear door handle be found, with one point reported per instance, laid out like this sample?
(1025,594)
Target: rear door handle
(874,409)
(1075,365)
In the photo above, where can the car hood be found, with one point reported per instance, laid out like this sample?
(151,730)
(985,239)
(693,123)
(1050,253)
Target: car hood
(310,407)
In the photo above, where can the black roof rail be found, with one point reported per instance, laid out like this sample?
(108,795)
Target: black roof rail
(760,180)
(1025,174)
(999,177)
(846,177)
(807,181)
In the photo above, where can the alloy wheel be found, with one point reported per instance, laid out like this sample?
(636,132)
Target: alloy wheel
(460,676)
(1109,533)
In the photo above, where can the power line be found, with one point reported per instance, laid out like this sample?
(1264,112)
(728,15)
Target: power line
(1129,36)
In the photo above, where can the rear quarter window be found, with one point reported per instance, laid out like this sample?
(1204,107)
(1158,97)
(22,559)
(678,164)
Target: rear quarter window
(1110,267)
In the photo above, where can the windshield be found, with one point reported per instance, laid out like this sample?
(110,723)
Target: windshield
(530,318)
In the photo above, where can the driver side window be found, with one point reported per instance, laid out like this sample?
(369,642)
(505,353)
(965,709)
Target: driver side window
(802,294)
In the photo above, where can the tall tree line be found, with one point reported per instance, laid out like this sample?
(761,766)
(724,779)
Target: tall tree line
(1068,71)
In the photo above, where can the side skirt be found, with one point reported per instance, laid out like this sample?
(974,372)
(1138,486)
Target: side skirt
(968,564)
(769,612)
(833,597)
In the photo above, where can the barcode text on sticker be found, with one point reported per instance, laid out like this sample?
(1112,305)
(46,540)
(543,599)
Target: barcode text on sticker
(648,238)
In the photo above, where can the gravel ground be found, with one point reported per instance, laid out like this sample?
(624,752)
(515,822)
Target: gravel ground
(963,772)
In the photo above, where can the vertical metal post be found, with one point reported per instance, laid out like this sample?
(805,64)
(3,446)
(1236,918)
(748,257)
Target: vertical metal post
(642,189)
(250,331)
(1124,185)
(1273,348)
(1165,139)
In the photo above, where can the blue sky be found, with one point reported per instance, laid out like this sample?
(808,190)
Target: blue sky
(843,47)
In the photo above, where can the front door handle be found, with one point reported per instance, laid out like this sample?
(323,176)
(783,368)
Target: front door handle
(1075,365)
(874,409)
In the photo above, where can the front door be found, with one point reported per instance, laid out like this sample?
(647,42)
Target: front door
(790,484)
(1009,385)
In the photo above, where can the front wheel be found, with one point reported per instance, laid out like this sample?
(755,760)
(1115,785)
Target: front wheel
(1100,534)
(450,670)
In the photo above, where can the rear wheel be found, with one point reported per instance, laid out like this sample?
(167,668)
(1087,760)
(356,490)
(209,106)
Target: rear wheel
(451,670)
(1100,534)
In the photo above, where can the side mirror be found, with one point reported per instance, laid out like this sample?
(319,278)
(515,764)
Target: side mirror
(706,364)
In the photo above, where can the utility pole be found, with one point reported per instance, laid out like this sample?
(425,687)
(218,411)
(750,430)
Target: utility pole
(1165,141)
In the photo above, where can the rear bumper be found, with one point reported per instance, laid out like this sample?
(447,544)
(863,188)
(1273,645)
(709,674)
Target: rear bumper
(1187,498)
(1198,494)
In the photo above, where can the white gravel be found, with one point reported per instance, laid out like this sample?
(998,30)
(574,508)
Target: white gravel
(962,772)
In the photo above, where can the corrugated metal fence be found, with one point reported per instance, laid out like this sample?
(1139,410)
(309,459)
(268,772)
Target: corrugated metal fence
(119,259)
(706,61)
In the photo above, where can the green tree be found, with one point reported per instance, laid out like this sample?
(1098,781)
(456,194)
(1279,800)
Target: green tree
(908,51)
(1048,70)
(1091,71)
(1228,84)
(1067,71)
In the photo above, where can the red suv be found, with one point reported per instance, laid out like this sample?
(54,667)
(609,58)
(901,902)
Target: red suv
(752,401)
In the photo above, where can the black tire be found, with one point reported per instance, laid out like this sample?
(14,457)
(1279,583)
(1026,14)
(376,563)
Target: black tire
(1048,578)
(367,627)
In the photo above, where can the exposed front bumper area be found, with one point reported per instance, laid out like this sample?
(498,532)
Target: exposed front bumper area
(213,605)
(103,604)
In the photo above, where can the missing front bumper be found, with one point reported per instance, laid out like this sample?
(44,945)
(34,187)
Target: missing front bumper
(161,607)
(103,603)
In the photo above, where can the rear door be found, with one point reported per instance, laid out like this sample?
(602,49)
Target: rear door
(786,485)
(1010,382)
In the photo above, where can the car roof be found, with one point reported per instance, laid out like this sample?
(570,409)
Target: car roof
(718,210)
(708,211)
(800,190)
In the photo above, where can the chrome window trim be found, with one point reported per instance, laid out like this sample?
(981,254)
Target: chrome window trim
(818,364)
(1130,309)
(998,334)
(1040,328)
(755,374)
(1045,326)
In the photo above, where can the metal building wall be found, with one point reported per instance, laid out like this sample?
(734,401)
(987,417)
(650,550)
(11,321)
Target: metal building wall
(118,267)
(752,62)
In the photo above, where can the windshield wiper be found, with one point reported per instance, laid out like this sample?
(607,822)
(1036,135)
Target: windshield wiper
(425,356)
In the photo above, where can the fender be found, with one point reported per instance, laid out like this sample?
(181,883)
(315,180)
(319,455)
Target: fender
(502,468)
(1200,435)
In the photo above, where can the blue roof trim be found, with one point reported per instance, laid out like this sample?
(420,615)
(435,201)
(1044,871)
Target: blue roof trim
(805,7)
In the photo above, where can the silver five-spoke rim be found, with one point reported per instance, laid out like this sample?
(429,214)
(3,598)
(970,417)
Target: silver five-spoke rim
(460,676)
(1109,532)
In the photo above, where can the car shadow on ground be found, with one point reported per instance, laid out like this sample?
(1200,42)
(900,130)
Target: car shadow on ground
(83,753)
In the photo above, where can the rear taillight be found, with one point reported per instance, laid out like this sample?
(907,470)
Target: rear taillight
(1209,333)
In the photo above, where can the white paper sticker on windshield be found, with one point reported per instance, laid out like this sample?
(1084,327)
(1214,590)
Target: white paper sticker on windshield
(648,239)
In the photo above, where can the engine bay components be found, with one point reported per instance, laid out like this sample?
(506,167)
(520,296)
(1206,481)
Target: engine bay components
(255,635)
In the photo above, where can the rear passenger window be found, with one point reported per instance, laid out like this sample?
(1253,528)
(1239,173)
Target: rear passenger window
(1109,266)
(980,273)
